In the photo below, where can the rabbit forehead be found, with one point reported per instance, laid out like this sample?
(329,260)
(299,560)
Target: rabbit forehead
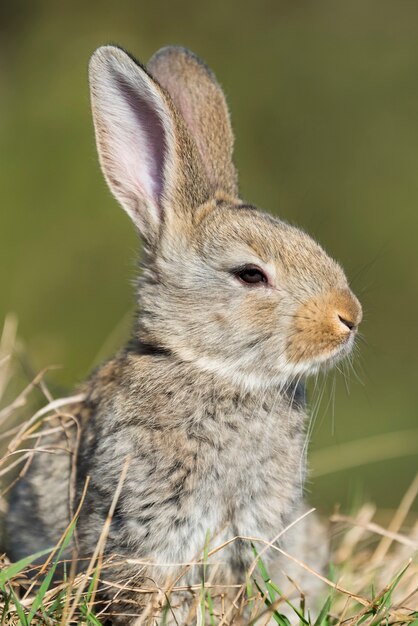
(236,230)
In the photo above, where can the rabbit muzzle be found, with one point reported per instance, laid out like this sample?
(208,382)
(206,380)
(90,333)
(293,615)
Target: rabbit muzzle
(324,328)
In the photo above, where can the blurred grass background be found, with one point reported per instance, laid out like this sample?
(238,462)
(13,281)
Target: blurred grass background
(324,100)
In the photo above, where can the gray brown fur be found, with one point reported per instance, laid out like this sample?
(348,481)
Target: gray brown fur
(207,400)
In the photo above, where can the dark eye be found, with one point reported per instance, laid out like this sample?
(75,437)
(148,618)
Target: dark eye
(250,275)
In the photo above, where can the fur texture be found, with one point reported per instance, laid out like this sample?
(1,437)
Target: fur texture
(207,401)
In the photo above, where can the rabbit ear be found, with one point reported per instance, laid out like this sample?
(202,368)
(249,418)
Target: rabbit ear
(151,165)
(199,98)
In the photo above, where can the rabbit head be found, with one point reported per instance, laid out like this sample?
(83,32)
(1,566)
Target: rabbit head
(224,285)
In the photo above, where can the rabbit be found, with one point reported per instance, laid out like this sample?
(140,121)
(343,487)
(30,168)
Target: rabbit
(204,409)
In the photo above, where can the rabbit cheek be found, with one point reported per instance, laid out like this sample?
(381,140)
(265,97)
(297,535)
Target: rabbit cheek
(324,328)
(258,315)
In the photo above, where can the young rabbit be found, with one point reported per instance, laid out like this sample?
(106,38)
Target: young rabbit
(235,310)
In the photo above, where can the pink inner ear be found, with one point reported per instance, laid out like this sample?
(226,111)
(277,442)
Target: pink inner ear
(145,150)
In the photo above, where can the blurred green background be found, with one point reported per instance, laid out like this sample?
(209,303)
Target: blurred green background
(324,99)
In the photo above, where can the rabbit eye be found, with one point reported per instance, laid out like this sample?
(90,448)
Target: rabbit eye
(250,275)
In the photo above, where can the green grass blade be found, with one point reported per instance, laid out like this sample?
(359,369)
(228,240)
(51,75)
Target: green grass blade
(265,575)
(48,578)
(210,607)
(92,585)
(298,612)
(5,607)
(45,617)
(90,617)
(19,609)
(322,619)
(382,604)
(274,591)
(282,620)
(386,600)
(57,605)
(14,569)
(166,609)
(249,591)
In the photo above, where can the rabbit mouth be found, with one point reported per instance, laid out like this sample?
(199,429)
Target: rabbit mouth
(328,359)
(340,352)
(322,363)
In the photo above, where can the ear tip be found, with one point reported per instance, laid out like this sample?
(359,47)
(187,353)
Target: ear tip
(173,49)
(179,54)
(105,52)
(109,54)
(101,58)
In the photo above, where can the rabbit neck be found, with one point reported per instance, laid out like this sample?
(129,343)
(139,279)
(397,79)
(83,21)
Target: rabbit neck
(248,382)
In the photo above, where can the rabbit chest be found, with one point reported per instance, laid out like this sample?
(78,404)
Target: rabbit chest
(204,458)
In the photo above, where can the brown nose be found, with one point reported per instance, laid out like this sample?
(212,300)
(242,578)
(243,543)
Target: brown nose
(348,309)
(346,322)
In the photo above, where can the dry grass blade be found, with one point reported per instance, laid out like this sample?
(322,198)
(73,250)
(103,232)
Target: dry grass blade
(7,347)
(348,543)
(379,530)
(22,398)
(51,406)
(397,521)
(97,558)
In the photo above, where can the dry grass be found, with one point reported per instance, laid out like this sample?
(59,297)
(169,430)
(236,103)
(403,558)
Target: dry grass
(373,577)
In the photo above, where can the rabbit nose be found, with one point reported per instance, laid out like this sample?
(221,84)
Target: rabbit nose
(346,322)
(348,311)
